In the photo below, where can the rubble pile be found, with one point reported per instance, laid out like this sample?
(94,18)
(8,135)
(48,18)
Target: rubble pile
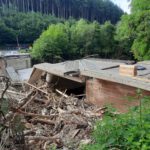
(43,118)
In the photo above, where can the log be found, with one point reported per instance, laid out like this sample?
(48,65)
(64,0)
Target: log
(61,93)
(36,88)
(25,99)
(28,132)
(29,101)
(13,92)
(39,138)
(43,121)
(32,114)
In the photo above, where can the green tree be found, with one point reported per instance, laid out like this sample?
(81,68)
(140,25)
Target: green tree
(6,34)
(82,38)
(139,5)
(25,27)
(133,32)
(124,37)
(107,39)
(99,10)
(74,40)
(51,44)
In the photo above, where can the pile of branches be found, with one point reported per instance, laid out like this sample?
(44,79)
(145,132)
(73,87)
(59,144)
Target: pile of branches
(45,120)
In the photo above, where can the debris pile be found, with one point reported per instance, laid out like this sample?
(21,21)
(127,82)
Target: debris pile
(43,119)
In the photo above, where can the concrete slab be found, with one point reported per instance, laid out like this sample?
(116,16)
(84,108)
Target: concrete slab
(24,74)
(13,74)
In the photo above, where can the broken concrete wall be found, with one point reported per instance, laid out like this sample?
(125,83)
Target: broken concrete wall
(19,63)
(102,93)
(2,63)
(2,66)
(67,85)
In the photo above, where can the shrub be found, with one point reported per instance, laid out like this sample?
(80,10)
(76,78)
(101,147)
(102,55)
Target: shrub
(125,131)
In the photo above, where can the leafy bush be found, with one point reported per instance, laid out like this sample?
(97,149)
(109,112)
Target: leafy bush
(133,32)
(51,44)
(73,40)
(126,131)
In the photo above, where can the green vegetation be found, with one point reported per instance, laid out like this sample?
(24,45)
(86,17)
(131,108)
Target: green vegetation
(73,40)
(125,131)
(22,22)
(133,31)
(99,10)
(17,27)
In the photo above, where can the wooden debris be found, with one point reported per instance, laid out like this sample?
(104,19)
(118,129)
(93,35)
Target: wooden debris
(43,121)
(31,99)
(36,88)
(61,93)
(50,117)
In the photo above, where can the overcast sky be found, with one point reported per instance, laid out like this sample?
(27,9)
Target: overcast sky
(124,4)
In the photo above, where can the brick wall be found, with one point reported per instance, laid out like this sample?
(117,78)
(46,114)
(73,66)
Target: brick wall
(101,93)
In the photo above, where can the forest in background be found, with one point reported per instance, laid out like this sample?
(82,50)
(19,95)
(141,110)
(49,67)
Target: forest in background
(21,28)
(22,21)
(77,39)
(57,39)
(128,39)
(99,10)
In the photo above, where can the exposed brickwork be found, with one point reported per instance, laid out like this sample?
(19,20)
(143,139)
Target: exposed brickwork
(101,93)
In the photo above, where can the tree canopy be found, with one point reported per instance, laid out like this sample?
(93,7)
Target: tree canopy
(140,5)
(72,40)
(22,27)
(100,10)
(133,31)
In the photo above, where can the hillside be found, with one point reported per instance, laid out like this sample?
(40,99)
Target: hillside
(99,10)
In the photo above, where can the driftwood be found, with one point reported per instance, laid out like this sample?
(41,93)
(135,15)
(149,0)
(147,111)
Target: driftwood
(7,84)
(32,114)
(25,99)
(50,116)
(61,93)
(13,92)
(27,102)
(43,121)
(41,138)
(36,88)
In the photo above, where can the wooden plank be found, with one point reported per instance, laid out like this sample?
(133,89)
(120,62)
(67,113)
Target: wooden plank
(108,76)
(61,93)
(36,74)
(36,88)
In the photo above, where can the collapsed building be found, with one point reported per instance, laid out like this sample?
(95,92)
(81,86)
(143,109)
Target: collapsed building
(15,65)
(55,105)
(103,82)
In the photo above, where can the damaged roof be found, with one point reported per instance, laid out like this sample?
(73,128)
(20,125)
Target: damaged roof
(142,80)
(100,69)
